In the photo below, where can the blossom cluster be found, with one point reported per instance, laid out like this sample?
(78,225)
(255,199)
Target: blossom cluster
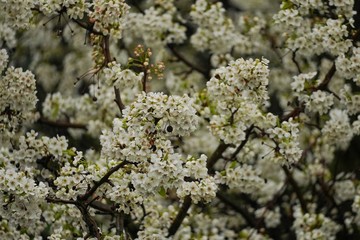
(246,128)
(317,36)
(158,25)
(109,16)
(17,98)
(215,31)
(239,91)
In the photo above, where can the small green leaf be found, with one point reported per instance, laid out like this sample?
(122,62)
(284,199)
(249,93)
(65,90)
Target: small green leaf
(162,192)
(69,152)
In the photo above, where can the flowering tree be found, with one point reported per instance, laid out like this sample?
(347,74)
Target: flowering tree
(163,119)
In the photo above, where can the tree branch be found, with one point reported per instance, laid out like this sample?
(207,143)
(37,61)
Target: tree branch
(243,143)
(103,180)
(296,188)
(216,156)
(180,216)
(247,216)
(205,73)
(58,201)
(61,124)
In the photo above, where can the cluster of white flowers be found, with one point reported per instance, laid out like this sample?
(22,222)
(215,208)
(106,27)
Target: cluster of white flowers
(215,31)
(74,8)
(7,35)
(349,65)
(320,102)
(169,115)
(3,60)
(145,173)
(314,36)
(157,26)
(68,222)
(272,218)
(243,178)
(17,98)
(109,16)
(203,190)
(350,100)
(344,190)
(315,101)
(141,137)
(72,181)
(121,78)
(17,14)
(239,91)
(314,226)
(157,221)
(285,137)
(302,81)
(219,227)
(95,115)
(31,148)
(21,198)
(337,130)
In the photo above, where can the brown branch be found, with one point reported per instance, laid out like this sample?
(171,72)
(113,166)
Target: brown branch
(107,55)
(102,207)
(144,79)
(61,124)
(296,188)
(89,220)
(58,201)
(103,180)
(118,100)
(294,113)
(106,48)
(217,154)
(87,27)
(180,216)
(243,211)
(94,230)
(293,58)
(323,85)
(187,62)
(243,143)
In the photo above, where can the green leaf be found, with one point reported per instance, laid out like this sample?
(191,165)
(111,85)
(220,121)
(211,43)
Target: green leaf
(162,192)
(233,164)
(286,5)
(69,152)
